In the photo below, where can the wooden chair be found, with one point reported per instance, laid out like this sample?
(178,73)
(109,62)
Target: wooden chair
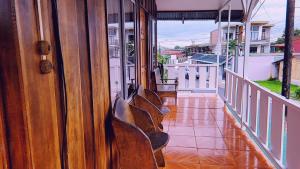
(153,98)
(144,104)
(138,141)
(164,87)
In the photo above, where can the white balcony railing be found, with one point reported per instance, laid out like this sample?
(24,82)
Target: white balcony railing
(194,77)
(263,116)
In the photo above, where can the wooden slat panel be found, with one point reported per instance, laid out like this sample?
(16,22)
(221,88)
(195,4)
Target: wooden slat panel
(263,116)
(85,86)
(239,95)
(4,161)
(68,24)
(11,89)
(276,127)
(143,49)
(32,119)
(100,80)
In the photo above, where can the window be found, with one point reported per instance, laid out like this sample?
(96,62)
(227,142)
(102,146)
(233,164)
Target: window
(115,69)
(253,49)
(230,36)
(154,50)
(262,49)
(130,47)
(254,32)
(264,34)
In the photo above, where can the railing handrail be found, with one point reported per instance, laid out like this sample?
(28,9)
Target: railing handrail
(266,90)
(263,114)
(191,65)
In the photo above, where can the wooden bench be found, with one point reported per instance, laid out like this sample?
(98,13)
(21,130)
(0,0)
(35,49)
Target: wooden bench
(144,104)
(153,98)
(139,142)
(164,87)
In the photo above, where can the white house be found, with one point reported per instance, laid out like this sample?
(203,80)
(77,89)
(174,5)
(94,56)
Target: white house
(260,36)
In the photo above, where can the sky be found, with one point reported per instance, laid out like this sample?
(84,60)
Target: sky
(173,33)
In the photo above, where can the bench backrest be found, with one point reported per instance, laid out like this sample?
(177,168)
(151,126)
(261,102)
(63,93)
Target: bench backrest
(141,91)
(122,111)
(158,76)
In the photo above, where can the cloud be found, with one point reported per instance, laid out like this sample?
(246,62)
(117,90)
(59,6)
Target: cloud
(172,33)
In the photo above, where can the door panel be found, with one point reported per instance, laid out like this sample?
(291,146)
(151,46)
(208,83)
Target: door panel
(143,48)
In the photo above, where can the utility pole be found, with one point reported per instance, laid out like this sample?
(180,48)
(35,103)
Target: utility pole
(288,53)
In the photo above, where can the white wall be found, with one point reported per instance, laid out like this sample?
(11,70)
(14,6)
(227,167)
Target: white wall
(258,67)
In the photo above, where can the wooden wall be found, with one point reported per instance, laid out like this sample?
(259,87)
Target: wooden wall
(32,109)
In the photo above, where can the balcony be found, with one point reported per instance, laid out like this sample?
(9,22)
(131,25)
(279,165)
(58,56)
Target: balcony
(205,132)
(201,78)
(269,119)
(204,135)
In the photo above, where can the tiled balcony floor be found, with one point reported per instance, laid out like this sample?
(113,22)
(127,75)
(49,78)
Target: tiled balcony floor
(204,136)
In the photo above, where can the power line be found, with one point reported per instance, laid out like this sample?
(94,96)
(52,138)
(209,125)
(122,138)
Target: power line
(261,4)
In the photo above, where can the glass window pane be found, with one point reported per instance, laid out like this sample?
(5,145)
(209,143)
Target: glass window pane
(154,54)
(113,19)
(130,53)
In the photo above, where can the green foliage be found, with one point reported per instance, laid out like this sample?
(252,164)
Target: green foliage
(297,32)
(281,39)
(271,79)
(162,59)
(177,47)
(275,86)
(297,93)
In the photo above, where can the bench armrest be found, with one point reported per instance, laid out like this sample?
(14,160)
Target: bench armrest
(153,97)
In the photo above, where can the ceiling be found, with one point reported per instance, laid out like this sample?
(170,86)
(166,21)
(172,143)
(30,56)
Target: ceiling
(195,5)
(202,9)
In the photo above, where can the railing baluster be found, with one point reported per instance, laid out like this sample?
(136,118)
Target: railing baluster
(263,119)
(253,108)
(212,77)
(192,78)
(202,77)
(181,78)
(276,126)
(234,80)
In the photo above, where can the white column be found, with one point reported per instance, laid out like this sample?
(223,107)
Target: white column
(247,45)
(218,49)
(228,30)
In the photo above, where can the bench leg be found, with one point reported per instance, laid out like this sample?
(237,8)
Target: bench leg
(160,158)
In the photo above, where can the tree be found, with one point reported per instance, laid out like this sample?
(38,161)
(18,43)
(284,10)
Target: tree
(177,47)
(162,59)
(232,45)
(281,39)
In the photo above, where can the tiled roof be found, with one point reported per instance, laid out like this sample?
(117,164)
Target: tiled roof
(208,58)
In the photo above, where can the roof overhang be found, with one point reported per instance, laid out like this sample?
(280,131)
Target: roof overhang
(202,9)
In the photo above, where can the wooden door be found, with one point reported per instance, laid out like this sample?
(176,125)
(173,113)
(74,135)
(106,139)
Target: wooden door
(143,48)
(59,118)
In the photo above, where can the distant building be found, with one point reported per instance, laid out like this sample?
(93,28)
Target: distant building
(200,58)
(176,56)
(279,48)
(295,78)
(260,37)
(201,48)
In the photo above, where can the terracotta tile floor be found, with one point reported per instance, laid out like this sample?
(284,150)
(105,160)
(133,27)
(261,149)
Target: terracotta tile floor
(204,136)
